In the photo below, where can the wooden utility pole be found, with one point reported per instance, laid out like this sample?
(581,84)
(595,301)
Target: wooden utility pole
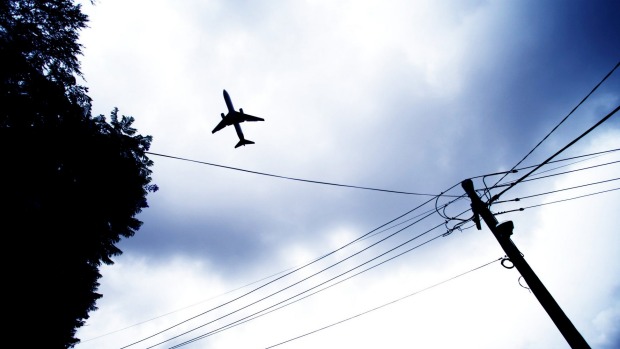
(502,233)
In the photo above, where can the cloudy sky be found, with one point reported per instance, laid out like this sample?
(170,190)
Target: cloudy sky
(405,97)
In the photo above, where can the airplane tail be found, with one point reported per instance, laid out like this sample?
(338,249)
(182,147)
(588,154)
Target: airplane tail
(243,142)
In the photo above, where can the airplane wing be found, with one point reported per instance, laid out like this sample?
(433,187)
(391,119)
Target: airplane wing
(220,126)
(247,117)
(235,118)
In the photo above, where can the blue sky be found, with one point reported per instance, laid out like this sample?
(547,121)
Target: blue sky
(410,96)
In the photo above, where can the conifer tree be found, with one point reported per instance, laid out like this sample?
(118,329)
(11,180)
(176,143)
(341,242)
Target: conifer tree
(71,184)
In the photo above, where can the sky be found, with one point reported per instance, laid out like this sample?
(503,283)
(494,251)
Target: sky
(372,109)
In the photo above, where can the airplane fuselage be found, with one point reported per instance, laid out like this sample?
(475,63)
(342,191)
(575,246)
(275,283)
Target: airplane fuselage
(229,104)
(231,109)
(239,132)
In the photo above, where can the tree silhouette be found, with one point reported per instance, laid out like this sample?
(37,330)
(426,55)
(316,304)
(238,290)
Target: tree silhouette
(71,184)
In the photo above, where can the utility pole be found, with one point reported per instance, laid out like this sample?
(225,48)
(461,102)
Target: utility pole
(502,233)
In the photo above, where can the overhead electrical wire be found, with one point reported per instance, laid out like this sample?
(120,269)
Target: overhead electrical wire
(272,281)
(443,213)
(537,177)
(292,178)
(183,308)
(365,236)
(313,287)
(556,191)
(321,290)
(385,304)
(283,303)
(566,117)
(534,178)
(342,185)
(334,184)
(497,196)
(282,289)
(254,316)
(262,313)
(557,201)
(590,157)
(289,273)
(436,209)
(333,278)
(295,269)
(429,241)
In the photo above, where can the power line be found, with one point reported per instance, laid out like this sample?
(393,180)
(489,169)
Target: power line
(556,191)
(403,222)
(255,315)
(183,308)
(320,284)
(595,154)
(368,235)
(308,277)
(323,289)
(590,157)
(333,278)
(295,269)
(328,183)
(566,117)
(557,201)
(272,281)
(365,236)
(550,192)
(362,237)
(289,273)
(443,214)
(291,178)
(262,312)
(384,305)
(252,317)
(510,184)
(495,197)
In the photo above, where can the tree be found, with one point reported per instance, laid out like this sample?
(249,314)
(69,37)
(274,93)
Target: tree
(71,184)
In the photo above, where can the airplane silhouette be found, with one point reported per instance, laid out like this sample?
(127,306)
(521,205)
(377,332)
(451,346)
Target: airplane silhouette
(234,117)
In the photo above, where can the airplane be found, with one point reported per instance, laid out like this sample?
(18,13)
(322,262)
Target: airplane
(234,117)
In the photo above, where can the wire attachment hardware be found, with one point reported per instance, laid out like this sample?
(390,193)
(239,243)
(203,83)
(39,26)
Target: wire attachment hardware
(520,284)
(507,260)
(476,217)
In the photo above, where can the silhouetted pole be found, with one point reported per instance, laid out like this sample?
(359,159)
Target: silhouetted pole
(502,233)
